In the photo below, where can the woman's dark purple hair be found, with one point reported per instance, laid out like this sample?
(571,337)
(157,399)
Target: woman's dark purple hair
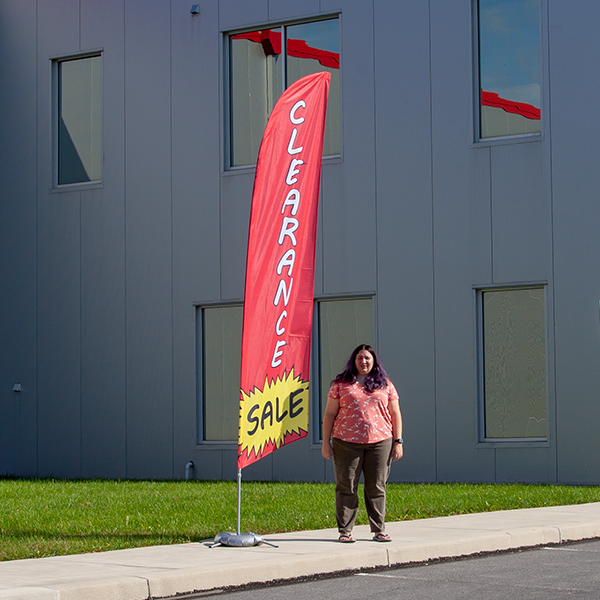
(376,379)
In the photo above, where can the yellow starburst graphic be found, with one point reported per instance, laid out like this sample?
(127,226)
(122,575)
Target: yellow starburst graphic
(273,416)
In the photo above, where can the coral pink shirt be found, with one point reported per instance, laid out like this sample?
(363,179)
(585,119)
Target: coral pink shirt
(364,417)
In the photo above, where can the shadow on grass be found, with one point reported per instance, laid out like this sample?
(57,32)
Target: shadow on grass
(134,537)
(43,544)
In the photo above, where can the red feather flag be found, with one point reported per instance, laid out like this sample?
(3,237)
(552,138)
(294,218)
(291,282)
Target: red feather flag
(278,301)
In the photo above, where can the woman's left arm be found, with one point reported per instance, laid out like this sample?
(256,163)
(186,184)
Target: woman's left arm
(398,448)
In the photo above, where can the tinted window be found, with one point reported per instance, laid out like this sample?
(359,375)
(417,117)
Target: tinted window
(221,349)
(80,120)
(514,355)
(260,68)
(509,67)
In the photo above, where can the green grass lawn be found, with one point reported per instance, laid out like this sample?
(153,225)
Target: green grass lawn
(53,517)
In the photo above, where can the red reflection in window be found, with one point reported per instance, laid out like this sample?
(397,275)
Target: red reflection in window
(518,108)
(271,43)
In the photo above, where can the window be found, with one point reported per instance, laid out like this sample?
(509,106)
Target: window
(79,127)
(514,364)
(343,325)
(221,360)
(262,64)
(509,67)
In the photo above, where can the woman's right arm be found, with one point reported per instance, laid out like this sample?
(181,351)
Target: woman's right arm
(331,412)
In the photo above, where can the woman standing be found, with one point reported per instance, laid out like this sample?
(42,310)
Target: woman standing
(363,418)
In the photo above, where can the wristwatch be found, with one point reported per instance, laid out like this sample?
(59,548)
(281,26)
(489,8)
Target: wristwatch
(398,441)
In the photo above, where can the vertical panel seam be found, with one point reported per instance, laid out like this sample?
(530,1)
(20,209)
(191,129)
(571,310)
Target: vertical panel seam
(480,324)
(224,113)
(172,251)
(433,289)
(375,180)
(37,241)
(491,204)
(125,237)
(552,252)
(80,196)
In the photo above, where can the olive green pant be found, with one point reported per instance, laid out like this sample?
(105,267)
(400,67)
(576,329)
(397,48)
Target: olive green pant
(373,461)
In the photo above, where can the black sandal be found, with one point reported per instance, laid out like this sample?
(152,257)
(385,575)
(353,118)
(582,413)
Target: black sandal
(382,537)
(346,538)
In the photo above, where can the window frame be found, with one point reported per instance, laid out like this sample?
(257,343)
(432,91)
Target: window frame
(520,138)
(227,82)
(513,442)
(55,62)
(201,379)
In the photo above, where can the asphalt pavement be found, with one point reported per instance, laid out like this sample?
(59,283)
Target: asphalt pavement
(164,571)
(552,572)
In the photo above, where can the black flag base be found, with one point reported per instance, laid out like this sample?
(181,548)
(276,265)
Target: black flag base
(238,540)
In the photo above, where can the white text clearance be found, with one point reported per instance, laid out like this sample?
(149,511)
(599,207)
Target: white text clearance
(289,224)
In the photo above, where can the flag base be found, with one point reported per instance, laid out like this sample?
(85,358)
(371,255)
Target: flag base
(238,540)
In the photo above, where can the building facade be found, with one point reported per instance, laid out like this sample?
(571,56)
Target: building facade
(457,219)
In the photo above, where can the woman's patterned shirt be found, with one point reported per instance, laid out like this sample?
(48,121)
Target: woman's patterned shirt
(364,417)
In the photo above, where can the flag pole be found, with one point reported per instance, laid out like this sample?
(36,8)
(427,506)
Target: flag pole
(239,500)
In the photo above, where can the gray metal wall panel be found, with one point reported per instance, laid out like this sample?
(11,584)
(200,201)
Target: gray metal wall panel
(229,464)
(59,336)
(453,170)
(332,198)
(576,213)
(346,6)
(404,226)
(281,10)
(18,267)
(59,270)
(526,465)
(318,469)
(261,470)
(236,200)
(103,26)
(58,31)
(349,226)
(196,168)
(318,290)
(148,234)
(103,395)
(521,213)
(480,198)
(287,466)
(234,14)
(208,465)
(103,350)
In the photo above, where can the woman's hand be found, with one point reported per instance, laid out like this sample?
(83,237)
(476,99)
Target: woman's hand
(397,448)
(397,451)
(331,412)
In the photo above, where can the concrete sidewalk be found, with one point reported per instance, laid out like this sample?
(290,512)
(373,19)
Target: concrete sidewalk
(163,571)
